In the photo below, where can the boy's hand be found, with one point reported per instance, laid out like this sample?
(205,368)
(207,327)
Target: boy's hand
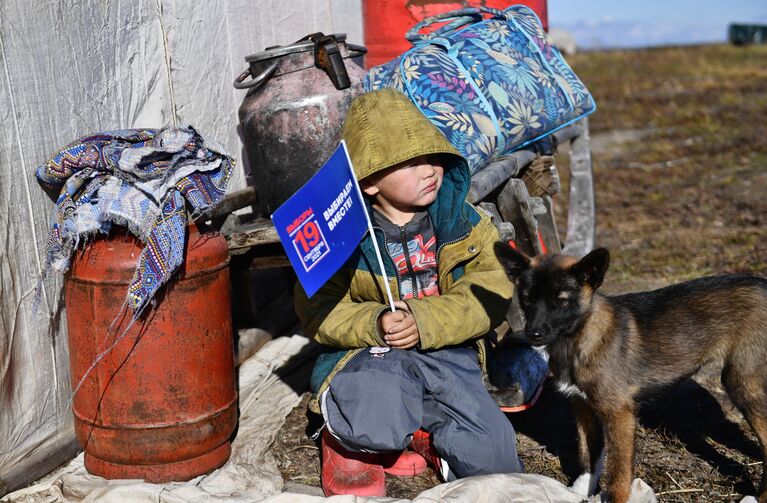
(399,328)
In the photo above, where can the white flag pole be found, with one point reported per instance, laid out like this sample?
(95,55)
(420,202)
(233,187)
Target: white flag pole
(370,228)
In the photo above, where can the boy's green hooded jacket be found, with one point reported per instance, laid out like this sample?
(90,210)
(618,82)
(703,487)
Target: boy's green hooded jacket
(382,129)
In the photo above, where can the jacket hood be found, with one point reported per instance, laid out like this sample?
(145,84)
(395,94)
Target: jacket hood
(384,128)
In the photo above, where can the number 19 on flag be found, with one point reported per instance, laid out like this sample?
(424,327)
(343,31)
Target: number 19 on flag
(309,243)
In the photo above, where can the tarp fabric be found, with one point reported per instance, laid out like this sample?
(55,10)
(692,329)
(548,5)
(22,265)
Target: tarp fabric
(252,475)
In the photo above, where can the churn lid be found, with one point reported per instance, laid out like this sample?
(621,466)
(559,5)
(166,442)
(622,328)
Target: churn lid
(276,51)
(326,52)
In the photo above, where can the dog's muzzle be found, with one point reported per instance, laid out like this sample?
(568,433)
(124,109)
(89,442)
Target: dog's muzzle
(538,337)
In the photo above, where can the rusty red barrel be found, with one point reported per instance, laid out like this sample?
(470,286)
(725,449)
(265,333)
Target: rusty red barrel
(162,404)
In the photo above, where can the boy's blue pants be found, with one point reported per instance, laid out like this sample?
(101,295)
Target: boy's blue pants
(376,402)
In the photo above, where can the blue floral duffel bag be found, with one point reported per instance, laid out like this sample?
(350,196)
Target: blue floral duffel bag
(491,85)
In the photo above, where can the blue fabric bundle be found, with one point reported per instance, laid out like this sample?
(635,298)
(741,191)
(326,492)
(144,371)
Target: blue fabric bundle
(139,178)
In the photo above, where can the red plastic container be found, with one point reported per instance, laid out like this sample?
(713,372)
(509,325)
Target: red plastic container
(162,404)
(387,21)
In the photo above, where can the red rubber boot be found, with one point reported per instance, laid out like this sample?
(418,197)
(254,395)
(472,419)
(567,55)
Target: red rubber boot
(423,445)
(348,472)
(404,464)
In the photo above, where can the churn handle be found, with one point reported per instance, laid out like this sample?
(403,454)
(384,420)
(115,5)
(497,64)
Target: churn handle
(328,57)
(356,50)
(240,83)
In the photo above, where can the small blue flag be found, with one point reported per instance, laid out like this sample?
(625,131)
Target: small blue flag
(323,222)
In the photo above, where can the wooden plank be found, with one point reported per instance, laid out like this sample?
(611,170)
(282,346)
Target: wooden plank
(505,229)
(234,201)
(496,173)
(548,227)
(244,237)
(39,463)
(581,227)
(571,131)
(269,262)
(515,206)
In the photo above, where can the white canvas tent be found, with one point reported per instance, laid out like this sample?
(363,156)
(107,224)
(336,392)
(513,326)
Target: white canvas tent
(70,68)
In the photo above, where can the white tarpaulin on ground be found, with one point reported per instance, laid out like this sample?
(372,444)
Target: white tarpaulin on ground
(74,67)
(251,473)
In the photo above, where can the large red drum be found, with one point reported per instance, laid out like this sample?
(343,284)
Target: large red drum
(162,404)
(386,21)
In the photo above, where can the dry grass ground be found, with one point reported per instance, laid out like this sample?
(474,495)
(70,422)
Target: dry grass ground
(680,161)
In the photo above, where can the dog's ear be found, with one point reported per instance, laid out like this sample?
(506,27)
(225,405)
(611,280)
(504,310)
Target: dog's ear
(513,261)
(591,269)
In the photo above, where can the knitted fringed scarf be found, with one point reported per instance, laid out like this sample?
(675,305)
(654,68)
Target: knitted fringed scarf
(139,178)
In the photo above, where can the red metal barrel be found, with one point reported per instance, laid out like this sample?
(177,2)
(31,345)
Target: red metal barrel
(162,404)
(386,21)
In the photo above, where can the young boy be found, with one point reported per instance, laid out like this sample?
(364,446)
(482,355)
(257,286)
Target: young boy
(385,375)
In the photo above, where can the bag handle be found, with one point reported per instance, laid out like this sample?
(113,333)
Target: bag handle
(460,17)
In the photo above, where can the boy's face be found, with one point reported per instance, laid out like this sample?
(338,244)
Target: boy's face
(407,187)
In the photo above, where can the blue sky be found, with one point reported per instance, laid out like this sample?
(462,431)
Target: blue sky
(616,23)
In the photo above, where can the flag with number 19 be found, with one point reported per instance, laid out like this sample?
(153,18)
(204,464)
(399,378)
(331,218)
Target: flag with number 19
(323,222)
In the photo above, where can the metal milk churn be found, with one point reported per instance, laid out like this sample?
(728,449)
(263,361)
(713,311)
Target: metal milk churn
(291,118)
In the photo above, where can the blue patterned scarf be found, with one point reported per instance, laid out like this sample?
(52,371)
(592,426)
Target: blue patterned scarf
(139,178)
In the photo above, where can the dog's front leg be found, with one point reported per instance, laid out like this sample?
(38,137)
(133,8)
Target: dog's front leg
(589,448)
(620,427)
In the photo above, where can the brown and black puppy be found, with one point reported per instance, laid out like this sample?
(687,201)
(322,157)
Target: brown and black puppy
(606,352)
